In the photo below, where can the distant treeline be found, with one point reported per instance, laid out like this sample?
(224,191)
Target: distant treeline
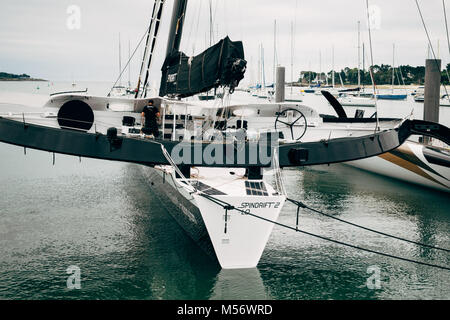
(5,75)
(382,76)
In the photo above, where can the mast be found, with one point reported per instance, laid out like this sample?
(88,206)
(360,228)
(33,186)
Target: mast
(359,54)
(262,66)
(150,44)
(176,26)
(259,67)
(120,63)
(129,69)
(393,66)
(292,56)
(211,31)
(364,62)
(274,50)
(332,68)
(320,67)
(309,67)
(144,56)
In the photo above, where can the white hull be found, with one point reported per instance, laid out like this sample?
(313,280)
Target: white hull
(408,163)
(357,102)
(445,103)
(98,103)
(241,243)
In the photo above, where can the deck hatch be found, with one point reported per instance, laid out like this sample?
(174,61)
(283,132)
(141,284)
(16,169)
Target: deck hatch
(256,188)
(206,189)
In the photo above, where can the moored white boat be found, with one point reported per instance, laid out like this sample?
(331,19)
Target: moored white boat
(412,162)
(352,101)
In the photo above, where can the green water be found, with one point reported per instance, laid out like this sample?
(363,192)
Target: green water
(102,217)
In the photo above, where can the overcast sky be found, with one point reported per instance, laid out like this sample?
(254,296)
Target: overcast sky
(35,38)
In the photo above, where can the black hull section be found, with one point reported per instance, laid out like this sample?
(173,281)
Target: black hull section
(149,152)
(182,210)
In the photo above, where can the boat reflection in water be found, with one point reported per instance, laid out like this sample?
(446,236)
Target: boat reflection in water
(240,284)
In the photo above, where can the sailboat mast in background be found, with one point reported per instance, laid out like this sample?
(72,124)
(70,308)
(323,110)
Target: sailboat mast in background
(120,63)
(393,67)
(292,55)
(129,67)
(274,51)
(332,68)
(211,26)
(359,54)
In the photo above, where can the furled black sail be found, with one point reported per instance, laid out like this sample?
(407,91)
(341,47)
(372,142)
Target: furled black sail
(221,65)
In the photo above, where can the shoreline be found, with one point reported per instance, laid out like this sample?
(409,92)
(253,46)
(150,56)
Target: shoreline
(24,80)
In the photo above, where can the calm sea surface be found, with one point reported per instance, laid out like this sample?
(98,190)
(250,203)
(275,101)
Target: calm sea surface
(102,217)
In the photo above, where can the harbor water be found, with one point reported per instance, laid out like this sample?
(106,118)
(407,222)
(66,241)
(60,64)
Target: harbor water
(101,218)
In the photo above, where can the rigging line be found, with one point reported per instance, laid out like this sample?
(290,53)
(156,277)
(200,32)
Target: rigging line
(129,60)
(293,45)
(448,39)
(429,42)
(302,205)
(230,207)
(211,26)
(225,15)
(404,85)
(192,23)
(371,65)
(215,17)
(446,25)
(197,26)
(401,75)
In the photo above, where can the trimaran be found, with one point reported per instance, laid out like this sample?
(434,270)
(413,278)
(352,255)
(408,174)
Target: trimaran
(210,167)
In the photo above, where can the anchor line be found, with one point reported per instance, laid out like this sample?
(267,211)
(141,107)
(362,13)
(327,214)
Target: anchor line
(300,204)
(224,205)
